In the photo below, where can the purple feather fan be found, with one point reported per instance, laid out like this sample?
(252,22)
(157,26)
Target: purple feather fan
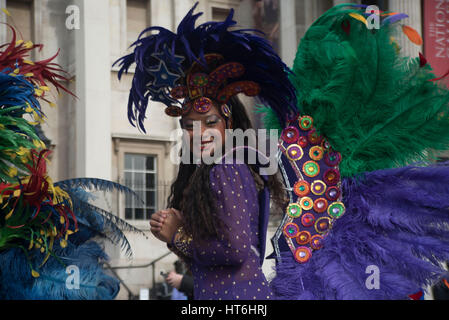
(396,221)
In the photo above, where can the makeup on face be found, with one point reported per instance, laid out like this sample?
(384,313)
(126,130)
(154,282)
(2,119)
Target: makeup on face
(211,120)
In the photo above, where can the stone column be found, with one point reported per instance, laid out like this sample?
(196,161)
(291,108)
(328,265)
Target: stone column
(413,9)
(288,39)
(162,14)
(93,88)
(3,20)
(337,2)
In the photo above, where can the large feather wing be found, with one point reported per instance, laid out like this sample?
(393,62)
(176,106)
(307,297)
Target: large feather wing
(376,107)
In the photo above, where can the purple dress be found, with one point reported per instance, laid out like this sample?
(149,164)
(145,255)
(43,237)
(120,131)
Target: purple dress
(230,269)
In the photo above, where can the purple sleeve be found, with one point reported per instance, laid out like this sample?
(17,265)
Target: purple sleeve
(236,194)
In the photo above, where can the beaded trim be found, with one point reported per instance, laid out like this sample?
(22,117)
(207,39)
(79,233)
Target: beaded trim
(182,242)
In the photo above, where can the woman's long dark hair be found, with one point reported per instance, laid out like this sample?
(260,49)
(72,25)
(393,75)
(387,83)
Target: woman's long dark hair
(191,192)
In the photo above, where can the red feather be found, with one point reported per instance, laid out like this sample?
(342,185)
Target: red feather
(422,60)
(43,72)
(416,296)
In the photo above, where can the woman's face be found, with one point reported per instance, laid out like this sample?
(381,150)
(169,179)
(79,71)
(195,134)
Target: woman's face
(211,134)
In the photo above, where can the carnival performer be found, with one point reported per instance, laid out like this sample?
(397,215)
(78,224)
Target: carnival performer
(47,228)
(218,213)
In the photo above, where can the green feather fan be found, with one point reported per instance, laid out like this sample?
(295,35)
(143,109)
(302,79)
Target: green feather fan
(377,108)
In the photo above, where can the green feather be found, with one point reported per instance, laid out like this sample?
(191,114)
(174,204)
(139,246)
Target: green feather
(15,132)
(270,120)
(375,107)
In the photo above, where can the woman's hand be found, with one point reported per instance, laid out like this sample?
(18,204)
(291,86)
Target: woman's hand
(165,223)
(174,279)
(157,221)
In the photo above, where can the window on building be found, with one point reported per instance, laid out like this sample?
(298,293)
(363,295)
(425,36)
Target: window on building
(219,14)
(140,174)
(137,19)
(21,18)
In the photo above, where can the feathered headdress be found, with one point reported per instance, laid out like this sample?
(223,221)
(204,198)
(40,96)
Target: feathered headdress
(37,216)
(201,63)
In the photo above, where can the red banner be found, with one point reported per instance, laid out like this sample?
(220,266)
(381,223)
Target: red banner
(436,35)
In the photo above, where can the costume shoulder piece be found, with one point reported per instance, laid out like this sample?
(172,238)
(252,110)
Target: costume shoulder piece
(46,228)
(365,193)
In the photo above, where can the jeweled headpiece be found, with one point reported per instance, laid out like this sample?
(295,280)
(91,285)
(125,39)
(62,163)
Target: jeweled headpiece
(197,66)
(203,85)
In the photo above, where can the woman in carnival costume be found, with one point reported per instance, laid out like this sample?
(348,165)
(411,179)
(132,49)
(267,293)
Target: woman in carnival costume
(46,228)
(218,213)
(355,155)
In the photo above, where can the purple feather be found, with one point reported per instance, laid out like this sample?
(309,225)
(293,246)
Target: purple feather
(394,18)
(395,219)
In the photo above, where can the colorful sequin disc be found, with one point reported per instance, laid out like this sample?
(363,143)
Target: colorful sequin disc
(291,230)
(294,152)
(322,225)
(320,205)
(316,242)
(332,158)
(303,237)
(318,187)
(290,135)
(308,220)
(294,210)
(202,105)
(336,209)
(332,193)
(301,188)
(316,153)
(325,144)
(303,254)
(331,177)
(314,137)
(306,123)
(311,169)
(306,203)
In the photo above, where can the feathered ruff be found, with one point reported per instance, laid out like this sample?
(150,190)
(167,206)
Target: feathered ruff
(261,63)
(96,184)
(378,109)
(15,56)
(36,213)
(16,283)
(99,222)
(396,220)
(17,95)
(104,223)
